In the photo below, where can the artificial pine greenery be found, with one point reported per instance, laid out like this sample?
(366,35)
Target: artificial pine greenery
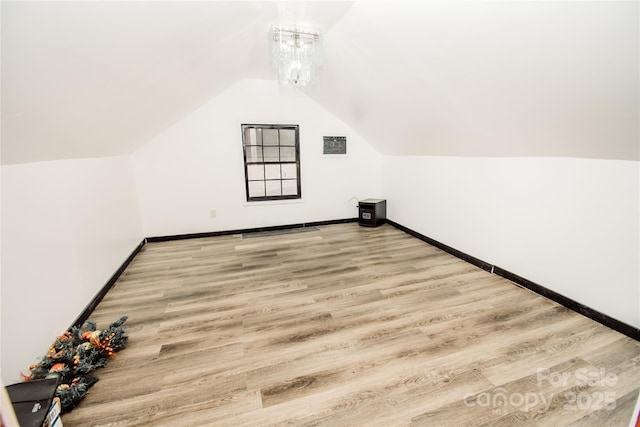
(74,355)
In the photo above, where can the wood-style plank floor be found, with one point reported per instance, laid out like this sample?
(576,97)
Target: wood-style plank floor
(343,325)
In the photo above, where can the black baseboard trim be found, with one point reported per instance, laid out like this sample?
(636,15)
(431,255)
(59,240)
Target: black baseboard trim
(589,312)
(466,257)
(248,230)
(86,313)
(608,321)
(571,304)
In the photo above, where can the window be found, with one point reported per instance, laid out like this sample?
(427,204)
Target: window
(271,162)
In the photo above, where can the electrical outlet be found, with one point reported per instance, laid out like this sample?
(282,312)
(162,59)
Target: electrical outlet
(212,213)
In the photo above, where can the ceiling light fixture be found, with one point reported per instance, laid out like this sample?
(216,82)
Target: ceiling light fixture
(295,53)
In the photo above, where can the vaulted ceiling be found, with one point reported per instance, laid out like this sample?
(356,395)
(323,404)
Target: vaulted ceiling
(453,78)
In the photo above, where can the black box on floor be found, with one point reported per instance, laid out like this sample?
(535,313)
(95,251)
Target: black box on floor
(31,400)
(372,212)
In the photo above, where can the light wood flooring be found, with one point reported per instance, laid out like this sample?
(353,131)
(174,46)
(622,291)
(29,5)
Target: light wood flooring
(343,325)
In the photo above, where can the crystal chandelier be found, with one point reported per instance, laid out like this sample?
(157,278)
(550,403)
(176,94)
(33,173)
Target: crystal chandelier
(295,53)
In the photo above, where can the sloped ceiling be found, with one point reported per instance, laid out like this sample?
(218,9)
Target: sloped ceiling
(91,79)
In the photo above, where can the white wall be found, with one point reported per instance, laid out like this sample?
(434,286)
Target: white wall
(197,165)
(570,225)
(67,226)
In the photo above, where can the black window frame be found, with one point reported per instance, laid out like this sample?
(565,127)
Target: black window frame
(252,162)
